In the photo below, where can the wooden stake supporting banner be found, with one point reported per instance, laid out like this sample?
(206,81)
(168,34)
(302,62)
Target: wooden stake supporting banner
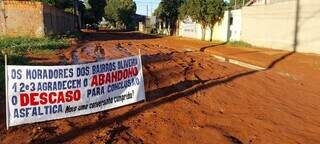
(6,85)
(145,99)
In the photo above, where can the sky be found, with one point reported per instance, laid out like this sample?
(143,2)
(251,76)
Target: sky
(143,5)
(148,6)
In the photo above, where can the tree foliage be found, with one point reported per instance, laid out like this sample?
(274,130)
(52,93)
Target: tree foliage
(205,12)
(89,14)
(61,4)
(234,4)
(97,8)
(215,11)
(168,10)
(120,13)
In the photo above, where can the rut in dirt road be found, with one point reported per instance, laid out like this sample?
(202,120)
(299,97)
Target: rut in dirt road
(191,97)
(186,74)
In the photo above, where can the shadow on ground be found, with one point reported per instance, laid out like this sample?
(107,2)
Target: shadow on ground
(155,97)
(104,36)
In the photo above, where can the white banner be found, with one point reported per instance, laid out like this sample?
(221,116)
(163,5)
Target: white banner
(40,93)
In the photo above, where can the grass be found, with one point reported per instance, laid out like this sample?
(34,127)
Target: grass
(239,44)
(17,47)
(21,45)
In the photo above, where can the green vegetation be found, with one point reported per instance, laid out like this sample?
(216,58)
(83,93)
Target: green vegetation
(168,11)
(205,12)
(61,4)
(17,47)
(120,13)
(97,9)
(239,44)
(234,4)
(91,11)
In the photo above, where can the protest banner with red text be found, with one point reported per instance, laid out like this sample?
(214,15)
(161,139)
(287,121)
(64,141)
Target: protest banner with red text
(40,93)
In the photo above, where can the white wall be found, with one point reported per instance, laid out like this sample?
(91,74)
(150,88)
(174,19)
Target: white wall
(190,29)
(221,29)
(235,25)
(274,25)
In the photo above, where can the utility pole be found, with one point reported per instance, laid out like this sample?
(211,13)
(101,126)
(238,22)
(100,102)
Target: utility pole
(147,11)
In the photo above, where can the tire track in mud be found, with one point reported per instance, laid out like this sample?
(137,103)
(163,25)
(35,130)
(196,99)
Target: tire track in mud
(127,124)
(161,56)
(231,138)
(153,76)
(187,65)
(186,62)
(121,48)
(120,132)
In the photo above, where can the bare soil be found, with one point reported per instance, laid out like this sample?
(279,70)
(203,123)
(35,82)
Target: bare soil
(191,97)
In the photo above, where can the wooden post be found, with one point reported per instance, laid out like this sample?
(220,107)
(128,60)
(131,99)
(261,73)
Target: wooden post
(140,61)
(6,85)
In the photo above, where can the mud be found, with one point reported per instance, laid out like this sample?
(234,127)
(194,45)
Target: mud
(191,98)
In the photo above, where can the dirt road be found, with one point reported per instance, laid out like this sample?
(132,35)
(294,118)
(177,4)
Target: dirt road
(191,98)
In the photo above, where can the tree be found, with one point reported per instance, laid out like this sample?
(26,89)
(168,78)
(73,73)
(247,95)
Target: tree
(83,8)
(49,2)
(205,12)
(120,13)
(61,4)
(86,16)
(97,9)
(196,10)
(168,10)
(214,14)
(234,4)
(86,13)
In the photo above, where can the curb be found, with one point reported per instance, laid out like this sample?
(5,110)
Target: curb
(237,62)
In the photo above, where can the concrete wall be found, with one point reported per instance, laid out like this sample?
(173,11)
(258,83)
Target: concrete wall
(235,25)
(2,18)
(26,18)
(22,18)
(191,29)
(287,25)
(266,2)
(221,29)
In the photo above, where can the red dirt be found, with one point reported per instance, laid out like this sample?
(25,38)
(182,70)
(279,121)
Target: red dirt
(191,97)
